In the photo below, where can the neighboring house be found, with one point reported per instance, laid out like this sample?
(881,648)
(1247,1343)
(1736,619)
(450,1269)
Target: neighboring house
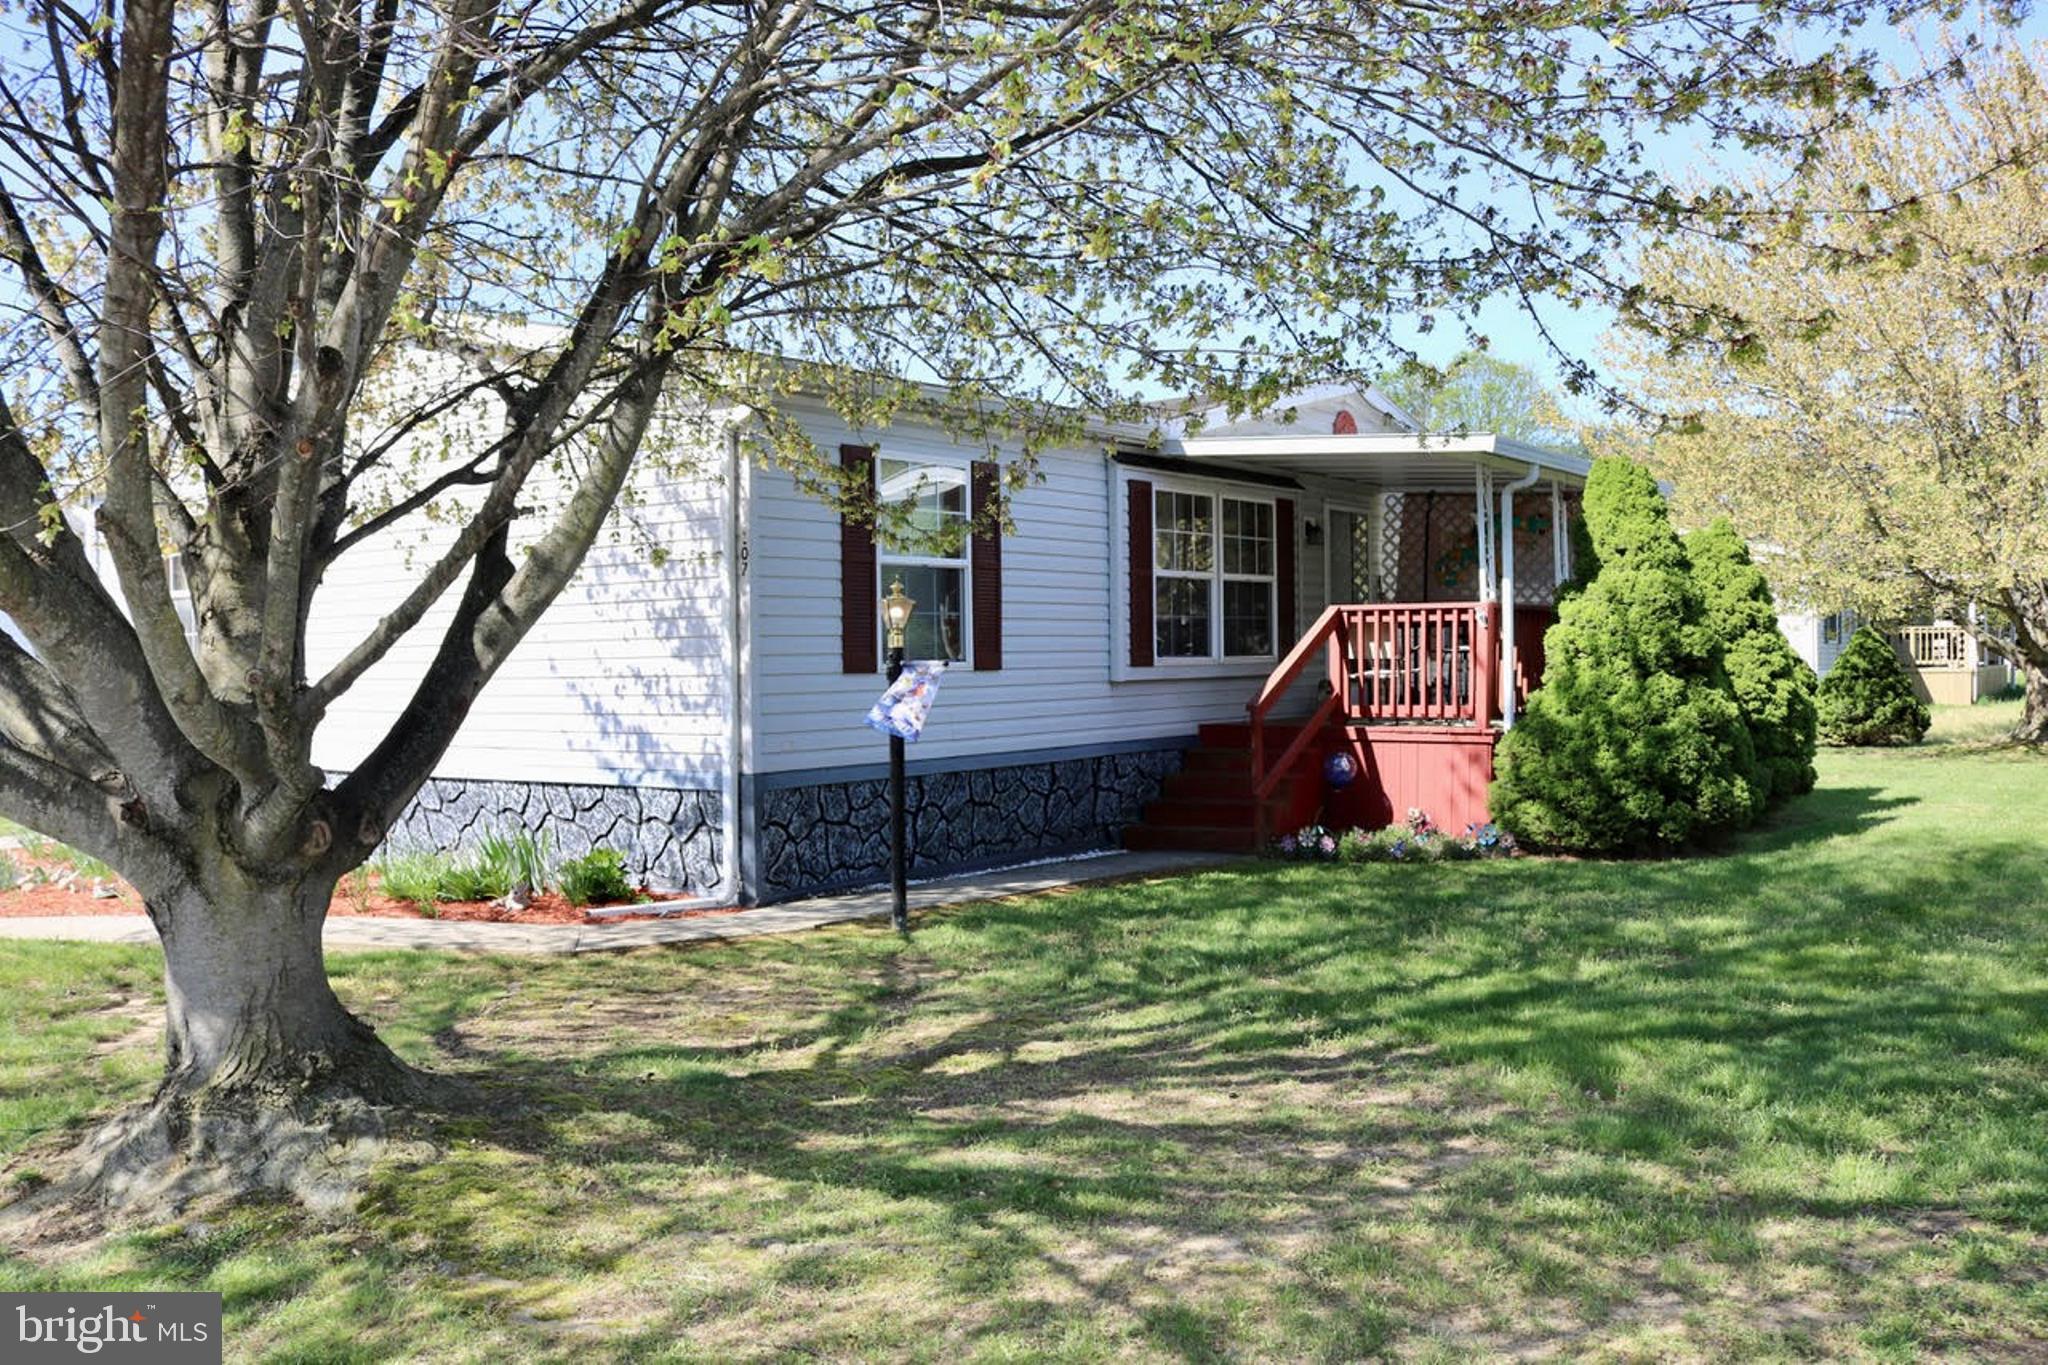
(1950,663)
(1818,639)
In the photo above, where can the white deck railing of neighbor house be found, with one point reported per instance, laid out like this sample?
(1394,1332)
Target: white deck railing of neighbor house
(1936,647)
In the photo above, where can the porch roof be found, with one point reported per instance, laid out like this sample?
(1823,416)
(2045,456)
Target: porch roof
(1384,459)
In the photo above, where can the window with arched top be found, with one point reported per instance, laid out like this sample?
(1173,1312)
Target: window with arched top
(1344,424)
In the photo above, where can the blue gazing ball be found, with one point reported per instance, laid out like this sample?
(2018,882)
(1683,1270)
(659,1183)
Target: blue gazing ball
(1340,770)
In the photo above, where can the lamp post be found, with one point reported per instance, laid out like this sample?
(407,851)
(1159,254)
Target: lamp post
(896,609)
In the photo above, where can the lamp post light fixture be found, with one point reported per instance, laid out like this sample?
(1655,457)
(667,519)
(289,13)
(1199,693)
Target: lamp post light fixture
(896,609)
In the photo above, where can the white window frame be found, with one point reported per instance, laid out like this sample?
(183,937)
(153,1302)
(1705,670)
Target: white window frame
(178,583)
(1224,578)
(1214,664)
(885,557)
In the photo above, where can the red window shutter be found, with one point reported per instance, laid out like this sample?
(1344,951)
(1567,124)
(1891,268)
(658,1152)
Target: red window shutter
(1283,572)
(857,595)
(1141,572)
(986,568)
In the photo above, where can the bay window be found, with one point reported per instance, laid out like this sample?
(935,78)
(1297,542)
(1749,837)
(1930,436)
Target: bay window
(928,552)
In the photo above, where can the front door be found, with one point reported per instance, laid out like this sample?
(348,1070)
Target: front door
(1351,556)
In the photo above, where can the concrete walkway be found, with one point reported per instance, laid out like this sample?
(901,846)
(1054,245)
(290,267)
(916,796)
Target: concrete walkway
(346,932)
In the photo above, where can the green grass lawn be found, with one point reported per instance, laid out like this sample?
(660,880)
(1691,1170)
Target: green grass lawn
(1787,1103)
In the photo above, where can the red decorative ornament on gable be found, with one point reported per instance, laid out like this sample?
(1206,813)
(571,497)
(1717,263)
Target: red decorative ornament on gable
(1344,424)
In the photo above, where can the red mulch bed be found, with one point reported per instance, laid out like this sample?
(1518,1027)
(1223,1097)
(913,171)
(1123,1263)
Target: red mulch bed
(549,908)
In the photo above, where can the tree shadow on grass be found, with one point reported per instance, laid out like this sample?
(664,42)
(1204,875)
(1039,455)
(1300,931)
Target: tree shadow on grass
(1135,1113)
(1277,1111)
(1830,812)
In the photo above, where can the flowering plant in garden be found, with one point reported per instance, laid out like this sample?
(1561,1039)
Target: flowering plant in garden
(1416,840)
(1310,843)
(1489,836)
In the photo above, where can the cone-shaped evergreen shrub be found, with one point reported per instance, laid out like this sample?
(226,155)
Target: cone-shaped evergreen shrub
(1773,686)
(1634,741)
(1866,698)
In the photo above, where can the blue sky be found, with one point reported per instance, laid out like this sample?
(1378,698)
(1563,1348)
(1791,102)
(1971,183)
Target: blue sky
(1514,334)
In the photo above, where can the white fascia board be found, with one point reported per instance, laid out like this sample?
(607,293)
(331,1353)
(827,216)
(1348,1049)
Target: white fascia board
(1578,466)
(1310,451)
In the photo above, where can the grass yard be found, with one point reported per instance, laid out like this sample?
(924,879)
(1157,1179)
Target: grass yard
(1789,1103)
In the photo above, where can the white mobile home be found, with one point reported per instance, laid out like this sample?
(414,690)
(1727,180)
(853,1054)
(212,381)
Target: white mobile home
(696,698)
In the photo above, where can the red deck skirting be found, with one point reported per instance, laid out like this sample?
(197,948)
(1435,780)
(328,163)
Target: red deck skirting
(1444,771)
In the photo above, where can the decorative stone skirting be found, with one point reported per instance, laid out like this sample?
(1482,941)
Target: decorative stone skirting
(670,837)
(830,835)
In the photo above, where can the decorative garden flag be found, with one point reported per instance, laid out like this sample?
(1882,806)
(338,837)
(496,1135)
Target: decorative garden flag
(903,708)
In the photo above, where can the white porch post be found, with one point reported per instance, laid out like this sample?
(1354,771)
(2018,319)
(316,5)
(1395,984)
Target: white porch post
(1507,592)
(1482,520)
(1560,543)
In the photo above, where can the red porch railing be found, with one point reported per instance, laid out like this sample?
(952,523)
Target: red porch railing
(1416,663)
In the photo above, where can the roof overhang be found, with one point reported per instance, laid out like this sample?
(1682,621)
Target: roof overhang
(1386,460)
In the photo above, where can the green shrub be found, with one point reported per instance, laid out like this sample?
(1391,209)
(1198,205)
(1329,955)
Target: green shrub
(1773,686)
(43,849)
(413,876)
(598,876)
(492,868)
(1585,557)
(2012,691)
(85,865)
(532,855)
(472,878)
(1866,698)
(1634,741)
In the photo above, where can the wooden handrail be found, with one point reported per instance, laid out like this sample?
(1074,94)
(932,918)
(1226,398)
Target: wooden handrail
(1396,661)
(1285,672)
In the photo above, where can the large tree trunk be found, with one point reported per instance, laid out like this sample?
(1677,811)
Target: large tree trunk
(2033,726)
(269,1083)
(251,1016)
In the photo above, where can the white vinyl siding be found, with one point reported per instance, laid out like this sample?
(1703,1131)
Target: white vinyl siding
(1063,567)
(1818,637)
(623,681)
(1836,628)
(181,596)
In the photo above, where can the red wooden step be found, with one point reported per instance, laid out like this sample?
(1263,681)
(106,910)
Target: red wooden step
(1229,762)
(1225,814)
(1146,838)
(1237,734)
(1211,785)
(1208,804)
